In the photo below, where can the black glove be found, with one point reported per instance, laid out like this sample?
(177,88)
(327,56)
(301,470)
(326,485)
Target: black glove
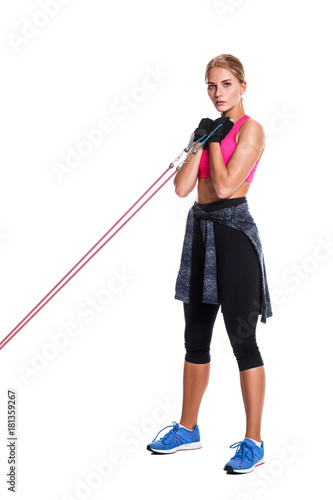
(222,131)
(203,128)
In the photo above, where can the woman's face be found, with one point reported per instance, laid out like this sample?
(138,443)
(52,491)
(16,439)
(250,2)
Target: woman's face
(223,86)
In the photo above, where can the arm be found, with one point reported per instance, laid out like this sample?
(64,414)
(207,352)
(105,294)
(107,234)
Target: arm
(186,178)
(227,180)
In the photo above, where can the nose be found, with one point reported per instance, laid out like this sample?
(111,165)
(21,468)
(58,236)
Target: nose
(218,92)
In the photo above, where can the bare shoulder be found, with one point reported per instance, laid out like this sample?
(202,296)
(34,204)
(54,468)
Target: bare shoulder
(251,130)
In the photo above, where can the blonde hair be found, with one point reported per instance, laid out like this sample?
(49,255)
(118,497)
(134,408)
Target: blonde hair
(231,63)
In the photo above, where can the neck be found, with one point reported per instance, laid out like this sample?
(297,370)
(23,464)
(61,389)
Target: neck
(233,114)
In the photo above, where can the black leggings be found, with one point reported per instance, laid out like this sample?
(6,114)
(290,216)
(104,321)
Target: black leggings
(239,287)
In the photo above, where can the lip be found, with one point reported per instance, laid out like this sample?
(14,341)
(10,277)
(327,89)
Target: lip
(219,103)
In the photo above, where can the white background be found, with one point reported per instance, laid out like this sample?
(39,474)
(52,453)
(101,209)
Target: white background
(118,381)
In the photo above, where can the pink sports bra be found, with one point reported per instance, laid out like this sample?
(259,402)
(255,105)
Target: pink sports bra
(228,145)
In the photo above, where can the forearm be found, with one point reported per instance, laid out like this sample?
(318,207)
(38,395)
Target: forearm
(186,177)
(218,169)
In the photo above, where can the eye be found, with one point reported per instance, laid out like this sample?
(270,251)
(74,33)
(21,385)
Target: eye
(211,85)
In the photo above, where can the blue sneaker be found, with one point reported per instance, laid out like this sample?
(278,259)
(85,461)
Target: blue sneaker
(248,456)
(177,439)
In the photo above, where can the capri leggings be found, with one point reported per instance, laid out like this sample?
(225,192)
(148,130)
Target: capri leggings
(239,288)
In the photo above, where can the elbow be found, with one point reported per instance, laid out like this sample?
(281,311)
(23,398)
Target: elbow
(225,189)
(182,190)
(222,192)
(181,193)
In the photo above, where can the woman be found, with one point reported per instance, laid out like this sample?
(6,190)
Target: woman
(222,262)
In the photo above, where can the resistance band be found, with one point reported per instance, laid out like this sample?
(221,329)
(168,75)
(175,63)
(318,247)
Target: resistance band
(41,303)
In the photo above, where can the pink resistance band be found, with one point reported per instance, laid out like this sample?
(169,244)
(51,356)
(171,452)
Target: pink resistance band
(36,309)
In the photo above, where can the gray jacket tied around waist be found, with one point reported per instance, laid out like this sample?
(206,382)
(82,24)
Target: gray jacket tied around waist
(238,217)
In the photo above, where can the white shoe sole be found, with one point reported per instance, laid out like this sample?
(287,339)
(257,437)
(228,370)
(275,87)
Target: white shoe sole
(182,447)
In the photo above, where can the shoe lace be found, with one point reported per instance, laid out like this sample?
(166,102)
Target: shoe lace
(169,434)
(243,450)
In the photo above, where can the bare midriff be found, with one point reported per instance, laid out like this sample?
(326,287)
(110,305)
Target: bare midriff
(206,191)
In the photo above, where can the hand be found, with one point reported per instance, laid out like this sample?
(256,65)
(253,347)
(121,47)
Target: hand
(203,128)
(222,131)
